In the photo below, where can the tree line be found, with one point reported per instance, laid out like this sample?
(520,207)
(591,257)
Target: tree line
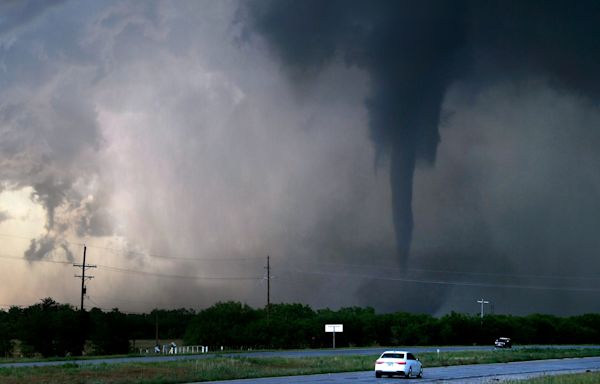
(53,329)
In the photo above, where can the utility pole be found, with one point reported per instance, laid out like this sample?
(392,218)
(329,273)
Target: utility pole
(156,327)
(83,267)
(268,286)
(482,302)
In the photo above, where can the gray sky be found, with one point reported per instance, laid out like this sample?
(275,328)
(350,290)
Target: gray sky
(172,139)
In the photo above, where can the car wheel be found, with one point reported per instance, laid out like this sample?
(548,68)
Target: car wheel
(378,374)
(409,374)
(420,375)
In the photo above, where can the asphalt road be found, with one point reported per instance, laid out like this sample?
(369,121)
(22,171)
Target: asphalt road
(297,353)
(468,374)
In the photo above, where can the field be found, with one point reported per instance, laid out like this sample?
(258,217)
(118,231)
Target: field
(581,378)
(223,368)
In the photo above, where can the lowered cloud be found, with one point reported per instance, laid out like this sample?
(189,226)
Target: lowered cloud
(414,51)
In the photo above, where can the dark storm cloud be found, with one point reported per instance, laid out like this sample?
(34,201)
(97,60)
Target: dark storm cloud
(4,216)
(415,50)
(50,136)
(46,246)
(51,194)
(143,128)
(39,248)
(554,39)
(17,13)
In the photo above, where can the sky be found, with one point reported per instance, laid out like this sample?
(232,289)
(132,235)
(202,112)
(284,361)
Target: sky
(408,156)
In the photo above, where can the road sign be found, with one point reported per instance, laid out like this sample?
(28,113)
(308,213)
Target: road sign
(334,328)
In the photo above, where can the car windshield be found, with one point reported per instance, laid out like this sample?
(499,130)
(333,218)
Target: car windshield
(393,356)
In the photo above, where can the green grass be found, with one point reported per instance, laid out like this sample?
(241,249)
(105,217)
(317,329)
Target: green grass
(217,368)
(431,359)
(580,378)
(224,368)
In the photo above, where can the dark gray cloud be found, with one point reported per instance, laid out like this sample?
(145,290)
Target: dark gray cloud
(139,136)
(158,132)
(47,246)
(4,215)
(50,136)
(513,196)
(415,50)
(16,14)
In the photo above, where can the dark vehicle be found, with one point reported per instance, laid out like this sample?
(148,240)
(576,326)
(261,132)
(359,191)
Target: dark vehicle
(503,342)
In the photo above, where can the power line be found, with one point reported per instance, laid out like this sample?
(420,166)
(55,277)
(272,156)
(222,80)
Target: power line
(366,276)
(362,266)
(17,258)
(157,256)
(187,277)
(396,268)
(150,255)
(17,236)
(352,275)
(133,271)
(444,282)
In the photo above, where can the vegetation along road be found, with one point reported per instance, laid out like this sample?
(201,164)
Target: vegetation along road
(284,353)
(266,364)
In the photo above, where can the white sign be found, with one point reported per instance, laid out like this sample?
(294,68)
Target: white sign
(334,328)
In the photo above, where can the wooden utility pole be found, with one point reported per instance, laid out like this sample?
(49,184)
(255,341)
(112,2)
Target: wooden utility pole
(156,326)
(482,302)
(83,267)
(268,268)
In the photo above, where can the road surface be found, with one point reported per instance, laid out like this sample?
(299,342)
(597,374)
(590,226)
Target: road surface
(296,353)
(468,374)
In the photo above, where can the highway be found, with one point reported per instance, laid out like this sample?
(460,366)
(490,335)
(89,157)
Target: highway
(294,353)
(468,374)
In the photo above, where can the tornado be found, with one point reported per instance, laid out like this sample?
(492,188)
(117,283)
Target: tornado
(414,51)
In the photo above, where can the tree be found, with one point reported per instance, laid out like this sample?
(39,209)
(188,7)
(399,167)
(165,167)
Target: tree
(110,332)
(223,324)
(51,329)
(458,328)
(291,326)
(6,344)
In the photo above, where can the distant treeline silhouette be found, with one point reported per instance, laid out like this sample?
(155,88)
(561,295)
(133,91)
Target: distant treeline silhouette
(52,329)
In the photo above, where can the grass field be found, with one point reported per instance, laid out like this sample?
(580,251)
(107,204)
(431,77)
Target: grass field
(223,368)
(581,378)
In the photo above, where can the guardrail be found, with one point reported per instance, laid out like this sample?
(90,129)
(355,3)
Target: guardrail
(172,349)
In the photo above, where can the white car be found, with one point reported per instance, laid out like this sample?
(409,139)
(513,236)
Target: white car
(401,363)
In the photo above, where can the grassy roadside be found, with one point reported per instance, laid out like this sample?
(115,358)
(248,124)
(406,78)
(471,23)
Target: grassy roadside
(224,368)
(502,356)
(580,378)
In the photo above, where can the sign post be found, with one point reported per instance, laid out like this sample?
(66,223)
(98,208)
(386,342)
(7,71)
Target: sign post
(333,328)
